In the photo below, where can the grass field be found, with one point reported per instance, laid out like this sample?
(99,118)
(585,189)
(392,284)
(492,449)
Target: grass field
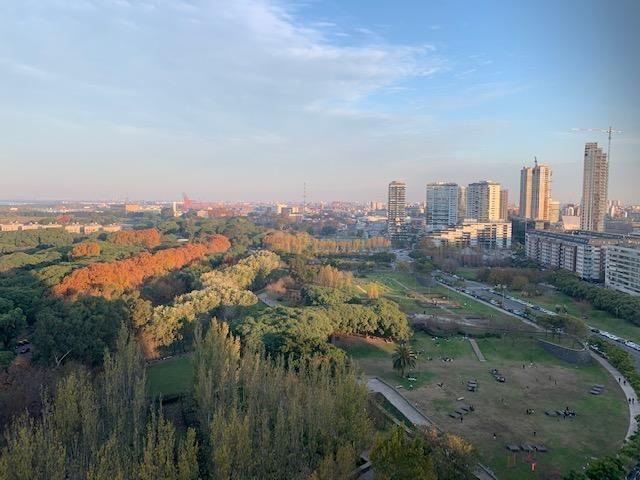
(581,309)
(170,377)
(545,383)
(397,285)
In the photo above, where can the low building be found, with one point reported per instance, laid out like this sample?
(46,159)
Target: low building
(114,227)
(622,268)
(580,252)
(73,228)
(10,227)
(480,234)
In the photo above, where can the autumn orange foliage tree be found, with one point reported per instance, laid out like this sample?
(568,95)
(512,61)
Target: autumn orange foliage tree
(86,249)
(111,278)
(302,242)
(148,237)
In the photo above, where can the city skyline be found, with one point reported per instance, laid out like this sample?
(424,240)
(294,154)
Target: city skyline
(165,97)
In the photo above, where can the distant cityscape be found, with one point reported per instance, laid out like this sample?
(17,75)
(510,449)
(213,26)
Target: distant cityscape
(597,238)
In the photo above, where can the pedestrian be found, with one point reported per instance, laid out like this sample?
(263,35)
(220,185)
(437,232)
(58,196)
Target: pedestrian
(556,382)
(461,418)
(618,379)
(629,401)
(624,382)
(523,366)
(534,433)
(494,436)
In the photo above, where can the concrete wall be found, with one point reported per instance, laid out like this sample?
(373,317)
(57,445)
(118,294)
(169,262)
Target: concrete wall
(570,355)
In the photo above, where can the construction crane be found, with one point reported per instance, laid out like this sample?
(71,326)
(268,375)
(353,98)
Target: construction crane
(609,131)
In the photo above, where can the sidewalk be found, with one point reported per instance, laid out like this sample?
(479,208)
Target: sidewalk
(398,400)
(476,349)
(629,392)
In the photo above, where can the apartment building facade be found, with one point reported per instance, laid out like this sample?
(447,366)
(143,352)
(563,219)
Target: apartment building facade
(580,252)
(491,235)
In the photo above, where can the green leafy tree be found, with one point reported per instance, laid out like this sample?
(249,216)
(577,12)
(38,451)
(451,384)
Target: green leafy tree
(605,468)
(11,323)
(396,457)
(404,358)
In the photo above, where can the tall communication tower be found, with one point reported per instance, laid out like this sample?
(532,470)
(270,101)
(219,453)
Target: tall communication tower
(304,199)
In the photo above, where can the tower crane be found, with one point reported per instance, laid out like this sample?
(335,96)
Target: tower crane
(609,131)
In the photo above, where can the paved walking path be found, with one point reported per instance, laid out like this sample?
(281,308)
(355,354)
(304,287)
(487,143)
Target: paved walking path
(476,349)
(396,399)
(629,392)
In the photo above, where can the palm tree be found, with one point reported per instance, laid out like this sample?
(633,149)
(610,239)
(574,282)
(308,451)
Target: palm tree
(404,358)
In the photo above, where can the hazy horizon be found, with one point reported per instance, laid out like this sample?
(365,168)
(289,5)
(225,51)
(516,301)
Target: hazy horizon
(246,100)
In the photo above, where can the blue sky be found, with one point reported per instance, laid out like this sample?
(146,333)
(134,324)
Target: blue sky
(248,99)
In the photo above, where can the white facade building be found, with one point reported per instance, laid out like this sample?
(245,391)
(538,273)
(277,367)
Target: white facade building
(622,271)
(483,201)
(482,234)
(580,252)
(441,210)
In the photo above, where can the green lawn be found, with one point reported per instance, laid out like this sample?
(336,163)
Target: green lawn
(170,377)
(392,285)
(468,273)
(597,318)
(546,383)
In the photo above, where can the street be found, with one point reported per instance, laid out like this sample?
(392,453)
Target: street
(499,298)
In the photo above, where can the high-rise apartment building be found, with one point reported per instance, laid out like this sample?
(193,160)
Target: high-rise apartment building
(462,202)
(397,211)
(483,201)
(441,210)
(504,204)
(535,192)
(595,180)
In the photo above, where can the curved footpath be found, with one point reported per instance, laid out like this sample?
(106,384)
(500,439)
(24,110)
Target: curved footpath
(629,392)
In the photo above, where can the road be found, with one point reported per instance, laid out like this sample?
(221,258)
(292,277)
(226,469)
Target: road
(509,304)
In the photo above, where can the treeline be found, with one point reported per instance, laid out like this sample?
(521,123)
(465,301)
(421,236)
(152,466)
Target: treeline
(302,242)
(226,287)
(616,303)
(111,278)
(514,278)
(148,238)
(300,332)
(254,418)
(12,241)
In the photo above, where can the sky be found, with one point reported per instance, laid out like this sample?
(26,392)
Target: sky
(246,100)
